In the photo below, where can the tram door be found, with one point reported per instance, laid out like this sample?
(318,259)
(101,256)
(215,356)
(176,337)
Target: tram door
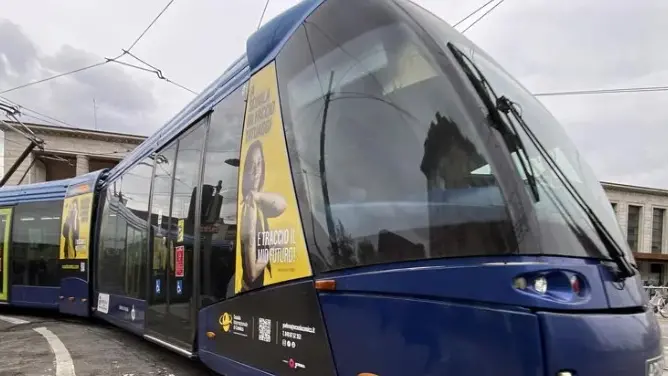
(171,315)
(5,221)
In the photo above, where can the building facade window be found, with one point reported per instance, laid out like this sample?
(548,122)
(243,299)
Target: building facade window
(633,228)
(657,229)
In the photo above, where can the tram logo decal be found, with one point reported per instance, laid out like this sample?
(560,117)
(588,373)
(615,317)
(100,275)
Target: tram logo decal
(270,241)
(225,321)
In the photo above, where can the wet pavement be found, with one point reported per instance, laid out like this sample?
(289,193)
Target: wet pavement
(47,345)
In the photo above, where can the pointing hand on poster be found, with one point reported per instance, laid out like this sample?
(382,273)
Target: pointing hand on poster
(271,204)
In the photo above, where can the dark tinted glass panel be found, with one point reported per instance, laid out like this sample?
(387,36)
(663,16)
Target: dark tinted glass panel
(381,145)
(5,220)
(36,243)
(135,186)
(183,219)
(219,199)
(160,222)
(111,251)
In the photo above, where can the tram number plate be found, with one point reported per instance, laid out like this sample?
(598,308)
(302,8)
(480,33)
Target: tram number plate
(179,255)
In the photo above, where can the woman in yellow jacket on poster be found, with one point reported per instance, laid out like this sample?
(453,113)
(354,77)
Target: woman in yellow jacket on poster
(256,207)
(71,231)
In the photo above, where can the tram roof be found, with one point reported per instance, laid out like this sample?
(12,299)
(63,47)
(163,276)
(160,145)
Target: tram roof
(46,191)
(261,48)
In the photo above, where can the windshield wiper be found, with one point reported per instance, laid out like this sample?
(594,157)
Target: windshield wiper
(507,128)
(507,107)
(626,269)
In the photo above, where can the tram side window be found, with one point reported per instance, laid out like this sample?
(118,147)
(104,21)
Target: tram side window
(161,224)
(111,252)
(36,243)
(135,187)
(186,175)
(219,198)
(399,152)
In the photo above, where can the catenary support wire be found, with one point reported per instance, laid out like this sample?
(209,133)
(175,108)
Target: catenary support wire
(472,13)
(483,16)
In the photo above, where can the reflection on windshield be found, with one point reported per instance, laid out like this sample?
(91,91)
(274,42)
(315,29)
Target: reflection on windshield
(541,167)
(382,144)
(560,205)
(564,227)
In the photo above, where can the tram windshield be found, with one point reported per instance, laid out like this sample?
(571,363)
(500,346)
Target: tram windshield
(559,215)
(386,160)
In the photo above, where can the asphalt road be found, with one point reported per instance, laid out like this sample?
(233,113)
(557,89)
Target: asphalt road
(44,345)
(36,344)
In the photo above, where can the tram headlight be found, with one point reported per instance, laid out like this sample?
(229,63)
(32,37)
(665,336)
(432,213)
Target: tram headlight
(540,285)
(520,283)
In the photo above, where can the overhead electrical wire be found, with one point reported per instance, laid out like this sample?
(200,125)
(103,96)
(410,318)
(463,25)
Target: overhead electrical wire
(153,69)
(562,93)
(481,17)
(472,13)
(20,107)
(266,4)
(53,77)
(644,89)
(106,60)
(150,25)
(17,107)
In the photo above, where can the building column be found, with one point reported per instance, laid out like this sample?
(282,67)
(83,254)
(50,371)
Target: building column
(82,165)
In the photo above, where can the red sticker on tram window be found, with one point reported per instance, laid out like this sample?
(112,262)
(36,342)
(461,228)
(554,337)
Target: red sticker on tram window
(179,255)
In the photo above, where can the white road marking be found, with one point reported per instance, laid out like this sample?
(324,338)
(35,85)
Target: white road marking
(64,364)
(13,320)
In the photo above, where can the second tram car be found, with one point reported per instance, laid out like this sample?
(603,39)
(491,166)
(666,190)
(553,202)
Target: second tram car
(45,244)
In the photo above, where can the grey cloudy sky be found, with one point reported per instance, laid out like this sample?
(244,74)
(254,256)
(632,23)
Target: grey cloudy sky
(548,45)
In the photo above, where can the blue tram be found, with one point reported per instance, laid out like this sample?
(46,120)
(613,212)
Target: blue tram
(34,272)
(364,192)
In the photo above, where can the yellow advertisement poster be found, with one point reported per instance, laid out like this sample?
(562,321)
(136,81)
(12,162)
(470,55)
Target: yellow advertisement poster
(181,229)
(270,242)
(75,227)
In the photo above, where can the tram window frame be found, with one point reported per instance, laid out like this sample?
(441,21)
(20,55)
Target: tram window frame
(161,220)
(110,257)
(38,211)
(447,170)
(198,131)
(136,195)
(227,118)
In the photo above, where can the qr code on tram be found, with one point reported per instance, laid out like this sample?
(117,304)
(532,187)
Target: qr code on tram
(264,330)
